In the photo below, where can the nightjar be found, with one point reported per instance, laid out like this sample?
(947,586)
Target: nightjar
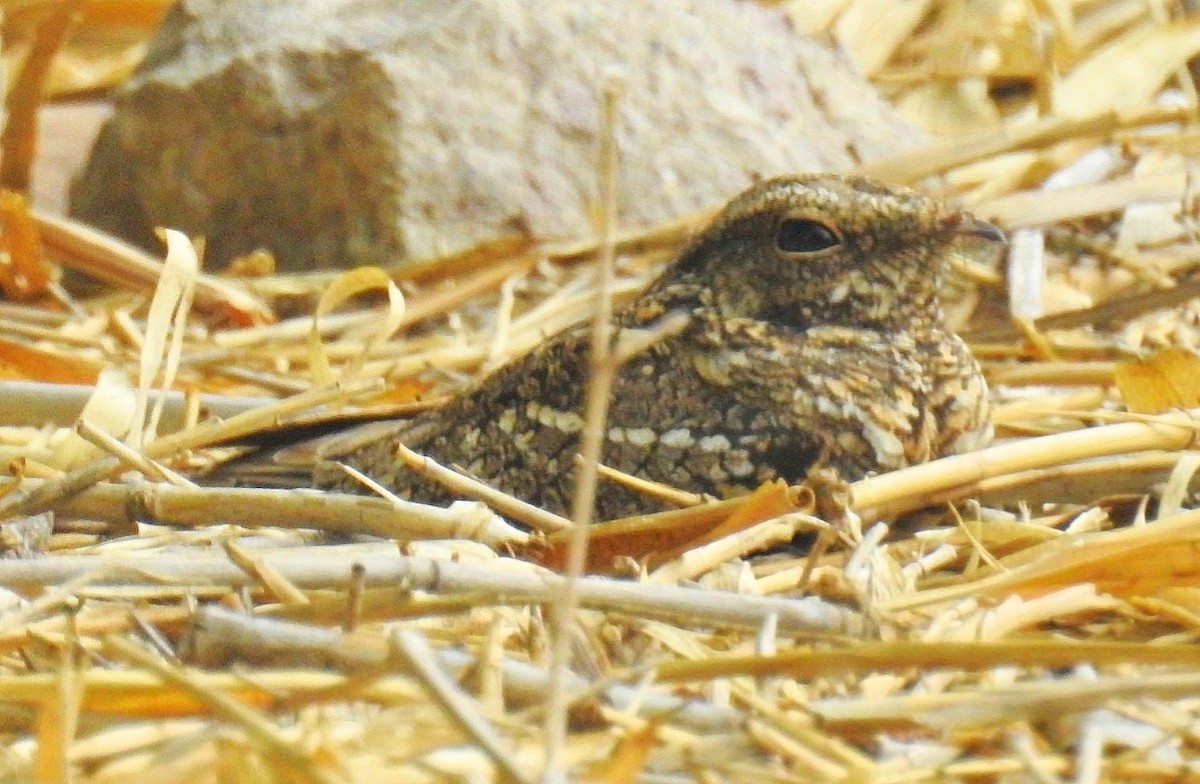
(813,338)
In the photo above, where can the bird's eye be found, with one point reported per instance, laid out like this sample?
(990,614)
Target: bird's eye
(800,235)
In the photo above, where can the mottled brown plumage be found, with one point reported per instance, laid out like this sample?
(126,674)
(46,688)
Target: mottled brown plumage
(814,337)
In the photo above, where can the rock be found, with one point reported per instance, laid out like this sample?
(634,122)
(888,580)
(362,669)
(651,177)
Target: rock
(345,132)
(66,130)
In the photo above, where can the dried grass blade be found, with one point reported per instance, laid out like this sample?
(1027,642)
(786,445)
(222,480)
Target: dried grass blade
(1106,80)
(602,369)
(921,485)
(420,659)
(88,250)
(1131,562)
(27,501)
(257,726)
(165,325)
(811,663)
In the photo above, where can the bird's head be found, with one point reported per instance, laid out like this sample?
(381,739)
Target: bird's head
(827,249)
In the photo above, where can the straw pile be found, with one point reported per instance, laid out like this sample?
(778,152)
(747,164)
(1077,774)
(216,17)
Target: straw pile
(1033,622)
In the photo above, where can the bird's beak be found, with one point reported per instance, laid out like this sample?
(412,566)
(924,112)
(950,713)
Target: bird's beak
(964,224)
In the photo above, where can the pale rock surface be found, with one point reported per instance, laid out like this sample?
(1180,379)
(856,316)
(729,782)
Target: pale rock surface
(345,132)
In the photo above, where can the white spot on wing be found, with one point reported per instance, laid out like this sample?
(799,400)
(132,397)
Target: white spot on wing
(680,438)
(566,421)
(640,436)
(716,443)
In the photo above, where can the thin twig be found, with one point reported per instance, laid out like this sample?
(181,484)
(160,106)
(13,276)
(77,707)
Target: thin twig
(601,370)
(420,658)
(294,508)
(462,485)
(260,728)
(39,498)
(507,580)
(128,456)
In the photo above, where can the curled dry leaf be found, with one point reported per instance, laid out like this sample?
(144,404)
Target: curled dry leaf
(165,325)
(1168,379)
(110,409)
(657,538)
(351,284)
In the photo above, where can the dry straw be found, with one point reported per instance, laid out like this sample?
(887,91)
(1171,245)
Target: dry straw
(1027,612)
